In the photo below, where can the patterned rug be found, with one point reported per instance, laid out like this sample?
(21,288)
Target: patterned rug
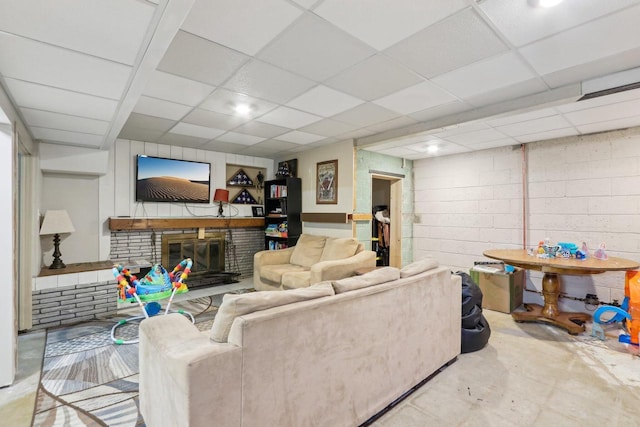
(87,380)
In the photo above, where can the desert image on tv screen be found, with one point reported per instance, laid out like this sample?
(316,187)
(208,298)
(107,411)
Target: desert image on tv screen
(169,180)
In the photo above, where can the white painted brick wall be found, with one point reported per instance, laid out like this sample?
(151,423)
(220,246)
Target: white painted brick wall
(578,189)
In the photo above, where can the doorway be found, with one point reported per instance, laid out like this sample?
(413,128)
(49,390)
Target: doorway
(386,232)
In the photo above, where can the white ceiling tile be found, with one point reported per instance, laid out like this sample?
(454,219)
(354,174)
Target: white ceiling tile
(300,137)
(176,89)
(610,125)
(416,98)
(268,82)
(522,24)
(313,48)
(542,124)
(161,108)
(484,76)
(182,140)
(75,138)
(585,43)
(241,25)
(360,133)
(329,127)
(38,62)
(289,118)
(373,78)
(550,134)
(198,59)
(213,120)
(197,131)
(324,101)
(275,145)
(142,121)
(380,24)
(306,3)
(604,113)
(513,91)
(510,118)
(107,29)
(224,101)
(139,134)
(457,41)
(460,128)
(443,110)
(240,138)
(224,147)
(261,129)
(395,152)
(46,98)
(47,119)
(366,114)
(392,124)
(476,137)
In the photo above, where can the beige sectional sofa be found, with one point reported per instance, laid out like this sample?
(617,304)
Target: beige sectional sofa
(312,260)
(333,354)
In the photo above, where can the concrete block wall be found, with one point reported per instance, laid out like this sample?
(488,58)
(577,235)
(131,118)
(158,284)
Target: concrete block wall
(577,189)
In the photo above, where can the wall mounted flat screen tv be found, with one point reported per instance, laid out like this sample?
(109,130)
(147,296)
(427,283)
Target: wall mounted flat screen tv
(171,180)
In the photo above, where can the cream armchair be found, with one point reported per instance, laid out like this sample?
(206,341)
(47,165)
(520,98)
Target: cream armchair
(314,259)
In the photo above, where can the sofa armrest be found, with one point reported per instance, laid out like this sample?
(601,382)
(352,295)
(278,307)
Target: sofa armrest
(175,357)
(341,268)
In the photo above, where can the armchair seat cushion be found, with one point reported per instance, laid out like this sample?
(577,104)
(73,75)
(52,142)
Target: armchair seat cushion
(296,279)
(274,272)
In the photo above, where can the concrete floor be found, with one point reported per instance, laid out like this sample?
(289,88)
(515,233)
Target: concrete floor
(528,375)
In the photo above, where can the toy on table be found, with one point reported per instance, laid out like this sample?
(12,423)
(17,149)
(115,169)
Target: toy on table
(156,285)
(601,253)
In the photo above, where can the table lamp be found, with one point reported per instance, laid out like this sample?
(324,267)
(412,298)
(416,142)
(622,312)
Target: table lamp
(56,223)
(221,196)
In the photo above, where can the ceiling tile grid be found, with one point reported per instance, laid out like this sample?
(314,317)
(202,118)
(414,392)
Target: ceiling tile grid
(313,72)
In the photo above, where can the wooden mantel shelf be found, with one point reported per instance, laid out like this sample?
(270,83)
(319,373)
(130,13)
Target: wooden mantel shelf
(120,223)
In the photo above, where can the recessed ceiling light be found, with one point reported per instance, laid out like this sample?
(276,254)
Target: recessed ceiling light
(433,149)
(242,109)
(544,3)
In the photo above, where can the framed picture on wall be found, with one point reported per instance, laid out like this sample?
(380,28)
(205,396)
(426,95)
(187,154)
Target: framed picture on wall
(257,210)
(327,182)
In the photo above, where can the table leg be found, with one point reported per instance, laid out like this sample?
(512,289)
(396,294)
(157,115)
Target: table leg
(549,313)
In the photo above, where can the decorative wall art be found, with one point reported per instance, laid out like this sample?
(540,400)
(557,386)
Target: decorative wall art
(327,182)
(250,178)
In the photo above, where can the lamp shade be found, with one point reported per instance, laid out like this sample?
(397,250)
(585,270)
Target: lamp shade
(221,195)
(56,222)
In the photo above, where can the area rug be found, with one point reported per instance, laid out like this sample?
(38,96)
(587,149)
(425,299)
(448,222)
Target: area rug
(87,380)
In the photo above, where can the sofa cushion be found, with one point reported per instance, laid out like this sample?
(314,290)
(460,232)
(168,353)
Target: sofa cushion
(308,250)
(419,266)
(375,277)
(296,279)
(234,305)
(339,249)
(273,272)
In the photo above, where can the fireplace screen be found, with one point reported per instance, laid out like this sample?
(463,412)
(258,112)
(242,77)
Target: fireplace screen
(207,253)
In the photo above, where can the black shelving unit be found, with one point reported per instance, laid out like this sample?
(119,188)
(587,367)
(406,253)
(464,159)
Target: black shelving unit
(282,205)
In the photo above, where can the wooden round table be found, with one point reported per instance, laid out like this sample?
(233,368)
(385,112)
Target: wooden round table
(552,267)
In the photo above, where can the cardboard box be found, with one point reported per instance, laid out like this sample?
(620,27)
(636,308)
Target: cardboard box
(500,291)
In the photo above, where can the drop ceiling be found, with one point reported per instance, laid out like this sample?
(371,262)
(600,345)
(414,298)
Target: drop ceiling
(396,77)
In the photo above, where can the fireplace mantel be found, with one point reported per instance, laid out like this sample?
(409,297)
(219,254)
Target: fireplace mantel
(124,223)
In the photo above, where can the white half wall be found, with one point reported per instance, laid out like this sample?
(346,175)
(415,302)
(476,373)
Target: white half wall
(578,189)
